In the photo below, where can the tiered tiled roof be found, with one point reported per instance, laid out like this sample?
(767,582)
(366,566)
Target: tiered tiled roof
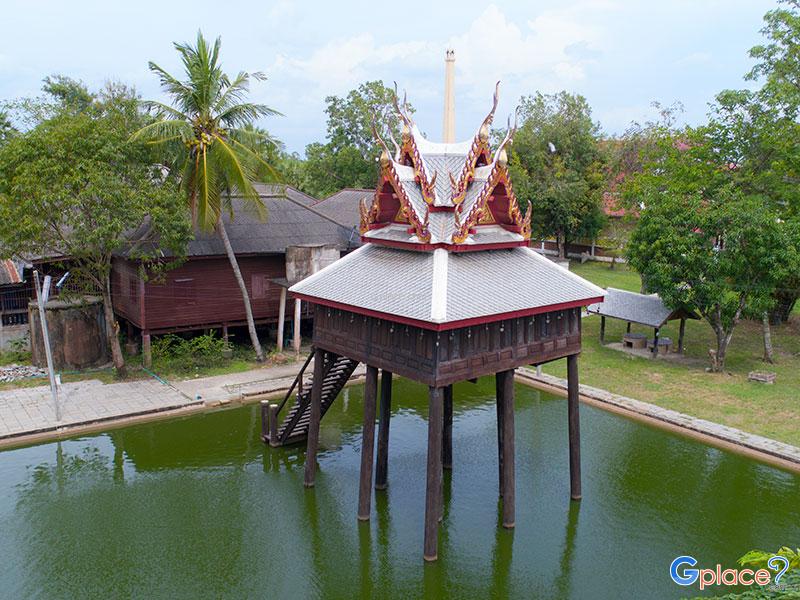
(445,241)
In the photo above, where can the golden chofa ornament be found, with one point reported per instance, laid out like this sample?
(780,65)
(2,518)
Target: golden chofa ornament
(502,158)
(483,133)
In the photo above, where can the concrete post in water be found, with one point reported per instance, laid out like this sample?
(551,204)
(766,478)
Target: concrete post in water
(281,318)
(367,443)
(297,314)
(574,427)
(273,425)
(312,442)
(433,486)
(265,420)
(382,462)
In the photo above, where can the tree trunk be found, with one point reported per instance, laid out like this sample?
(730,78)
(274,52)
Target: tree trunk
(248,309)
(723,336)
(785,301)
(768,354)
(112,330)
(562,245)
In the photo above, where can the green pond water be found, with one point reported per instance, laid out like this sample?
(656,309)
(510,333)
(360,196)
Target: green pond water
(197,507)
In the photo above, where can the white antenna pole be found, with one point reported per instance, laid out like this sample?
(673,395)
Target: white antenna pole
(41,299)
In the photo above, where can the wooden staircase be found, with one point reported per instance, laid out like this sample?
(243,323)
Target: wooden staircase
(337,370)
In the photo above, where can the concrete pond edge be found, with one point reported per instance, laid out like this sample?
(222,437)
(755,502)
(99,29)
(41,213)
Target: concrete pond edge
(762,449)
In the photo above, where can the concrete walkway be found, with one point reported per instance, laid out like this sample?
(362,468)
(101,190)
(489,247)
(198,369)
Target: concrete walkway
(30,411)
(28,414)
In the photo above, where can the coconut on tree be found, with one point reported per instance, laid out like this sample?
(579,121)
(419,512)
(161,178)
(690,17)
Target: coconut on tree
(207,132)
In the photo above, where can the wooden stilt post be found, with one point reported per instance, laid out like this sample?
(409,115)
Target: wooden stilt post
(680,336)
(574,427)
(447,432)
(499,408)
(628,328)
(367,443)
(506,389)
(281,319)
(382,463)
(655,342)
(312,442)
(433,487)
(147,356)
(602,329)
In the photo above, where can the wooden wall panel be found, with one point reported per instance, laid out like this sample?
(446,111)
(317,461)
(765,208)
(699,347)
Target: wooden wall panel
(442,358)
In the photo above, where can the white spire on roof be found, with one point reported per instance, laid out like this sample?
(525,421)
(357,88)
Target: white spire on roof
(449,127)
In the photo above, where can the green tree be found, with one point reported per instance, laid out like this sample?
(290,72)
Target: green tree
(207,133)
(556,165)
(768,122)
(7,129)
(348,157)
(703,241)
(73,186)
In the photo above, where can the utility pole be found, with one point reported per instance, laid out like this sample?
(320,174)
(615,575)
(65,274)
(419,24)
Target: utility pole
(41,300)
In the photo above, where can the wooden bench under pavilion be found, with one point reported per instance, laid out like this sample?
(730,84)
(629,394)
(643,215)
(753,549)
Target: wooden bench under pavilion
(643,309)
(444,289)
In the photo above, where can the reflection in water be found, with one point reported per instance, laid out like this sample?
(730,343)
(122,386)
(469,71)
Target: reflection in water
(199,507)
(562,582)
(501,556)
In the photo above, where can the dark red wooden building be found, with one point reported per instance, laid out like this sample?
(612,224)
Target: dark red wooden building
(202,292)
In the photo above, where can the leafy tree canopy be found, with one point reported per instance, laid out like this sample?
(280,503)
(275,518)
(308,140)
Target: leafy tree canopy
(556,165)
(703,240)
(73,186)
(348,158)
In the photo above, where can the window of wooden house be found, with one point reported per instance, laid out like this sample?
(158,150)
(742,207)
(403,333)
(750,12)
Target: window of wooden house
(259,286)
(183,290)
(133,288)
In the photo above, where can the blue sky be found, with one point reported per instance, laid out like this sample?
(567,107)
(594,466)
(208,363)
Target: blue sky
(620,54)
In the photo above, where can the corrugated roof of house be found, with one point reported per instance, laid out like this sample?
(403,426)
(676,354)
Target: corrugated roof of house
(645,309)
(8,272)
(291,220)
(343,205)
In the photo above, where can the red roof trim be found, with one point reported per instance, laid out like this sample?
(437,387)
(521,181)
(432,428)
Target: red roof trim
(450,247)
(451,324)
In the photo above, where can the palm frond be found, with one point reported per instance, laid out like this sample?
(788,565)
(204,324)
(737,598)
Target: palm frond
(239,174)
(241,114)
(162,110)
(159,131)
(273,174)
(208,191)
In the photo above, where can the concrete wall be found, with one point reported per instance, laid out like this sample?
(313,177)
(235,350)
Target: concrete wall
(302,261)
(9,333)
(77,334)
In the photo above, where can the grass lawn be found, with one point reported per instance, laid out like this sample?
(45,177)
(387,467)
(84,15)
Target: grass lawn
(728,398)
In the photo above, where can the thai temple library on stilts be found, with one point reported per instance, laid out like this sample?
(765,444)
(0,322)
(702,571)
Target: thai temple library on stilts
(444,289)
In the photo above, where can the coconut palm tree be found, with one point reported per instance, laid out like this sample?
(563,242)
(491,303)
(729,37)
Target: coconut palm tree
(206,132)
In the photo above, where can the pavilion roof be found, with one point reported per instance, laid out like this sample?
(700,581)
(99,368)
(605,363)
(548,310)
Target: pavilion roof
(444,290)
(644,309)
